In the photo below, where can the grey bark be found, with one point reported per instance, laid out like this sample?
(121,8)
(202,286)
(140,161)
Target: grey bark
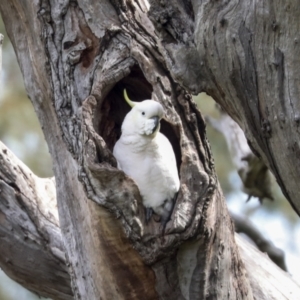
(31,246)
(255,43)
(31,241)
(264,285)
(83,53)
(244,225)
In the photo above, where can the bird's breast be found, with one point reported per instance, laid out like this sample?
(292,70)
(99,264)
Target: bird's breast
(152,166)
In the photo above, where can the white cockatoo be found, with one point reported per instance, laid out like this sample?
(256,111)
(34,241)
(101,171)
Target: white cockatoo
(147,156)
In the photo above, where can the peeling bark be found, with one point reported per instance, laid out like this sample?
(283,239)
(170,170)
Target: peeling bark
(84,53)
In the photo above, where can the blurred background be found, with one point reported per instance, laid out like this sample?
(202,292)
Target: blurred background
(20,131)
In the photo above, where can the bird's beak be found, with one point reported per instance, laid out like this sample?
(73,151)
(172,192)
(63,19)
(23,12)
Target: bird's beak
(156,124)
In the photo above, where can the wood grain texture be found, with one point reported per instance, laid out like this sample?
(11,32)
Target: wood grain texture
(256,45)
(261,270)
(31,246)
(23,241)
(82,55)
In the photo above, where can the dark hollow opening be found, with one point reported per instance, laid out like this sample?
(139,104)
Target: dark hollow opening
(173,136)
(114,108)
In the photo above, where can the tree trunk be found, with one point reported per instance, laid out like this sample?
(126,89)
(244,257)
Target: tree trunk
(31,242)
(76,58)
(255,43)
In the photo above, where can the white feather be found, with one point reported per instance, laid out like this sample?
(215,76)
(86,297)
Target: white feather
(147,156)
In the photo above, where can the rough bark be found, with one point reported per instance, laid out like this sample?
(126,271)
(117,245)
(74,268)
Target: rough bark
(75,84)
(31,245)
(244,225)
(83,53)
(260,271)
(255,43)
(244,55)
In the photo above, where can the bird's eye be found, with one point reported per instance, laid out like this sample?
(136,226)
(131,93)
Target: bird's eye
(143,113)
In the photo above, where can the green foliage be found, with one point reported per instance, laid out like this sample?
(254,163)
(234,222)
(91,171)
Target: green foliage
(223,162)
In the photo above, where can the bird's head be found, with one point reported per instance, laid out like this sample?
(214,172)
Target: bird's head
(143,118)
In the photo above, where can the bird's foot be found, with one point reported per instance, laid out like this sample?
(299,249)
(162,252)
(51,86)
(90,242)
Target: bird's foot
(164,222)
(165,214)
(149,213)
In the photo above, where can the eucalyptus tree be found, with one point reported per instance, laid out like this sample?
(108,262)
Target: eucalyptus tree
(76,58)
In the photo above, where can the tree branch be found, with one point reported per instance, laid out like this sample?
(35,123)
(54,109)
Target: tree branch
(244,225)
(31,247)
(267,280)
(256,181)
(84,53)
(255,176)
(29,232)
(252,73)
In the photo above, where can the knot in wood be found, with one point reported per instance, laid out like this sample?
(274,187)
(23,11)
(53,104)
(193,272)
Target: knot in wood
(266,128)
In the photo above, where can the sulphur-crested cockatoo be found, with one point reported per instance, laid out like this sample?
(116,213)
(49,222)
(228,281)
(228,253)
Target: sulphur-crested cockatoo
(147,156)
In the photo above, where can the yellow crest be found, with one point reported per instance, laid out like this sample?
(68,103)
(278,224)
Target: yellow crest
(131,103)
